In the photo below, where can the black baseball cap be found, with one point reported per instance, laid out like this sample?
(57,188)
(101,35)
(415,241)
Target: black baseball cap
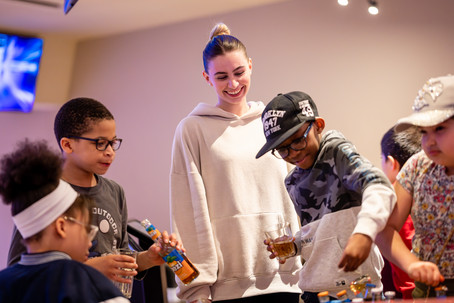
(283,116)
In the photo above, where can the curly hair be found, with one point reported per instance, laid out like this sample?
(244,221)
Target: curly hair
(77,116)
(31,172)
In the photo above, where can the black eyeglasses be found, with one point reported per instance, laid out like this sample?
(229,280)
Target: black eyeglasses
(297,144)
(101,144)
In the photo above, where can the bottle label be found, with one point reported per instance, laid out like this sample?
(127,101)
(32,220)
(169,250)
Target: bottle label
(152,232)
(178,264)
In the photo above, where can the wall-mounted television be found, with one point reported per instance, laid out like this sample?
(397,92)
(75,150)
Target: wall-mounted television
(19,66)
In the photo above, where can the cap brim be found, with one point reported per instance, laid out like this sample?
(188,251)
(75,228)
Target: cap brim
(424,119)
(273,143)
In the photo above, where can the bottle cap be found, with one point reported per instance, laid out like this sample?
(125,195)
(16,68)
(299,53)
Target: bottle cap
(341,293)
(322,294)
(358,300)
(390,294)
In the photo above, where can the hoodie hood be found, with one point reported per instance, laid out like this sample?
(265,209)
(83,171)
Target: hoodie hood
(203,109)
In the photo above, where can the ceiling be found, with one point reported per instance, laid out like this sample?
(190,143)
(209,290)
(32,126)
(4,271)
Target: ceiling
(95,18)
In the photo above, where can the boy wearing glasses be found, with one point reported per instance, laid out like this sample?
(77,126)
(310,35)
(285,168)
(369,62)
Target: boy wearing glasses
(85,131)
(343,201)
(54,222)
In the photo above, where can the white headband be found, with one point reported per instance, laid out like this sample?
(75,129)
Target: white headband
(43,212)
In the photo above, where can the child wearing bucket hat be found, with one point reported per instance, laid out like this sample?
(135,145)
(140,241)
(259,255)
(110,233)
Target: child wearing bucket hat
(342,199)
(425,189)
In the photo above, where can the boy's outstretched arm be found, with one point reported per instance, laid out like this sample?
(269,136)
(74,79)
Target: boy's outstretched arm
(356,252)
(110,265)
(378,201)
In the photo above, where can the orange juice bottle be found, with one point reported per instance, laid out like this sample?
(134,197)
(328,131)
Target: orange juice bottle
(175,259)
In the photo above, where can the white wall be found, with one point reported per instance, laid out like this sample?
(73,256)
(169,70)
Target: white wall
(362,71)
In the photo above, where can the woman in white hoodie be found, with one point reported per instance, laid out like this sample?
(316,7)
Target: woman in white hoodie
(222,198)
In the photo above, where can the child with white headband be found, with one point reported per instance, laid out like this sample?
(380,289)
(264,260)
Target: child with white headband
(54,221)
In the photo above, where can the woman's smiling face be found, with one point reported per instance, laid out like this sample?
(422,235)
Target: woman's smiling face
(230,75)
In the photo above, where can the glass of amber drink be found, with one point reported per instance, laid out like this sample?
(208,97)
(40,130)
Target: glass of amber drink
(281,240)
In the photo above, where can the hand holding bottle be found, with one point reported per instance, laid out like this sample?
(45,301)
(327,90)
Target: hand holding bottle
(175,258)
(152,257)
(166,240)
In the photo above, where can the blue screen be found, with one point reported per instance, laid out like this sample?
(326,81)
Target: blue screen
(19,65)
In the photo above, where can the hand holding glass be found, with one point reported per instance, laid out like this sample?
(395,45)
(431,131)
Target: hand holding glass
(126,288)
(281,241)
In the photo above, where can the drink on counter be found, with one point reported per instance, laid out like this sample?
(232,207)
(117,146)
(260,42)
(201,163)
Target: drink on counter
(358,287)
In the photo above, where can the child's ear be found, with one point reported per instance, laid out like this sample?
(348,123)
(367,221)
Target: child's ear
(65,145)
(394,162)
(60,227)
(320,125)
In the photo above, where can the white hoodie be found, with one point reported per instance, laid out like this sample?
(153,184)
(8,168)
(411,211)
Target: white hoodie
(223,199)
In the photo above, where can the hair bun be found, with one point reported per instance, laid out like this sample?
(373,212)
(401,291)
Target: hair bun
(218,30)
